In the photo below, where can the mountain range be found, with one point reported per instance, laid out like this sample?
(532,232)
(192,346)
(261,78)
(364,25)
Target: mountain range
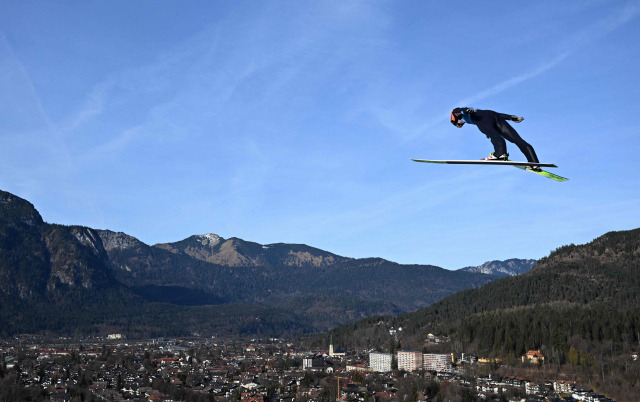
(580,306)
(56,278)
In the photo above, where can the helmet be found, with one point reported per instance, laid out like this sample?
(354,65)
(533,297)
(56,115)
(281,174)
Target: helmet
(456,117)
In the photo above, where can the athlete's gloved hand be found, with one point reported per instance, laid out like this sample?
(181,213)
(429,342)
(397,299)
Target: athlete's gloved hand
(468,110)
(517,119)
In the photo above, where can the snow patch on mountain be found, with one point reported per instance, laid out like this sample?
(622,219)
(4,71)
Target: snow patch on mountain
(210,239)
(512,267)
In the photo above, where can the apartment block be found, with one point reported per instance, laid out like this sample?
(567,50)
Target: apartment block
(437,362)
(380,362)
(409,360)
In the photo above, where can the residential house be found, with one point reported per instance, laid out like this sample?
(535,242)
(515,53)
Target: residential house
(533,356)
(252,397)
(532,388)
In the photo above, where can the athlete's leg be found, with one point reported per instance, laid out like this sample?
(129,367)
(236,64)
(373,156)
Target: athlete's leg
(486,122)
(512,135)
(499,145)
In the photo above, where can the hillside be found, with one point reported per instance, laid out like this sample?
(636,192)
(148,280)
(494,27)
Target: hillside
(580,307)
(589,292)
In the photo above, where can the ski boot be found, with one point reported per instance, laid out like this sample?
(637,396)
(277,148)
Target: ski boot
(492,157)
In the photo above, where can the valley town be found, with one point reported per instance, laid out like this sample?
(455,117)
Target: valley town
(256,370)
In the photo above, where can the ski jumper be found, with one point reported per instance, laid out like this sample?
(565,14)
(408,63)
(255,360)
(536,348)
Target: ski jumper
(494,125)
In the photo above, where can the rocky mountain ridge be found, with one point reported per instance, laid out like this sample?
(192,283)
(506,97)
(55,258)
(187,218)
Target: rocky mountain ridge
(511,267)
(101,276)
(237,252)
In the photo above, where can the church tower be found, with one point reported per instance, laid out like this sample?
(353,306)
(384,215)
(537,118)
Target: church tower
(331,346)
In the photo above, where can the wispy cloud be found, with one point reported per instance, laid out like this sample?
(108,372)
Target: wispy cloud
(503,86)
(619,17)
(28,135)
(228,79)
(14,73)
(382,209)
(487,93)
(92,107)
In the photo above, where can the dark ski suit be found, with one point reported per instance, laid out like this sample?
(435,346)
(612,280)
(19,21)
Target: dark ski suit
(494,125)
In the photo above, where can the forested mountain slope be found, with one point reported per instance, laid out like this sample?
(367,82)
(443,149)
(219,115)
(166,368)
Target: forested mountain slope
(589,292)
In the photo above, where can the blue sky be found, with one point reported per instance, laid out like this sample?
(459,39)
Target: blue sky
(295,121)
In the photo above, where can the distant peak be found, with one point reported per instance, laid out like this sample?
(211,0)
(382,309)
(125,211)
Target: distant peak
(209,238)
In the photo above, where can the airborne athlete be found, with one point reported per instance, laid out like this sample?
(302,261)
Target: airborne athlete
(494,125)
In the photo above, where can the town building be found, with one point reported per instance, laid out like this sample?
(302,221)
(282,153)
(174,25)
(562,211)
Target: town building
(533,356)
(380,362)
(563,387)
(409,360)
(115,336)
(437,362)
(581,393)
(360,368)
(532,388)
(434,338)
(313,363)
(469,359)
(335,352)
(252,397)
